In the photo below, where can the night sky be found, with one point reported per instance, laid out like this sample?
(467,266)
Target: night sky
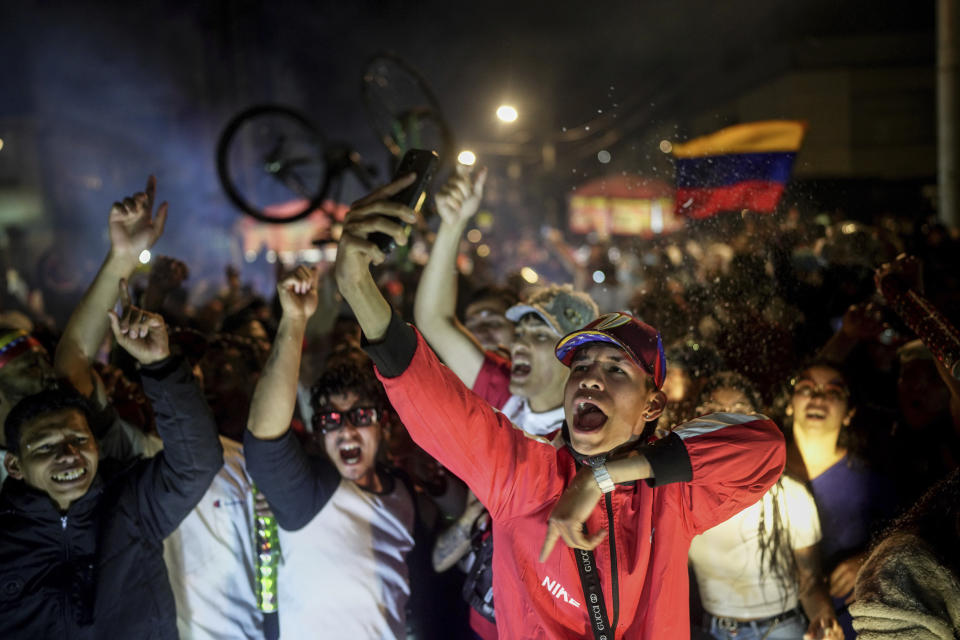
(113,91)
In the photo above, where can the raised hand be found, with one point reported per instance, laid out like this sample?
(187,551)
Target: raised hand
(458,199)
(141,333)
(355,253)
(863,321)
(298,293)
(133,227)
(571,512)
(892,278)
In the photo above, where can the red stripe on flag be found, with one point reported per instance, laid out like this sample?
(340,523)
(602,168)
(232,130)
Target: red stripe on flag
(756,195)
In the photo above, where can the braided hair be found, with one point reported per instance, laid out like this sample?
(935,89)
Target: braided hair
(773,534)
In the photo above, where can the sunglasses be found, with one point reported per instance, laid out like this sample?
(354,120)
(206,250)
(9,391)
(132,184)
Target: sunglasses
(331,421)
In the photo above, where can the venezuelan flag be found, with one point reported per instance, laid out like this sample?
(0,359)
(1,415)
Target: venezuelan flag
(745,166)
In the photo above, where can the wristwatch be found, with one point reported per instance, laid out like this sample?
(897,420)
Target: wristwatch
(603,478)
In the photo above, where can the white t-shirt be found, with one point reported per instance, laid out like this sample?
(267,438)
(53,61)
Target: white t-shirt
(344,574)
(518,410)
(210,559)
(726,558)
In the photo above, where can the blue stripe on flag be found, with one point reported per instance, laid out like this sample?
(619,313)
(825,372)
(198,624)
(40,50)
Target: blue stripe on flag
(720,171)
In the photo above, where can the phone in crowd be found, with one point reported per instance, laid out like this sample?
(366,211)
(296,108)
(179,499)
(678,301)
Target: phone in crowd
(422,162)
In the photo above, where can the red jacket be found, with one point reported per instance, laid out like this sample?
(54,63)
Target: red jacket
(705,472)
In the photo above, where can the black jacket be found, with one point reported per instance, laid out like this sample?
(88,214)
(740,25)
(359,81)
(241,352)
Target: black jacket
(98,571)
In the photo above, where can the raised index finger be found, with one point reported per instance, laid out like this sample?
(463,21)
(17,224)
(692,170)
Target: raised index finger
(151,191)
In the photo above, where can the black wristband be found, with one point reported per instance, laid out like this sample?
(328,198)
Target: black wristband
(668,460)
(393,353)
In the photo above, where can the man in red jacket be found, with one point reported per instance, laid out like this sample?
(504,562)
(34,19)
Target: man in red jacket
(537,492)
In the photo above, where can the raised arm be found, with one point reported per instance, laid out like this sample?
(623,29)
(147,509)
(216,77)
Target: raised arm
(275,396)
(172,482)
(296,486)
(427,396)
(133,228)
(355,254)
(434,309)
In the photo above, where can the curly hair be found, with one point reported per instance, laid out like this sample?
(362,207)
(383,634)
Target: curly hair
(935,518)
(348,370)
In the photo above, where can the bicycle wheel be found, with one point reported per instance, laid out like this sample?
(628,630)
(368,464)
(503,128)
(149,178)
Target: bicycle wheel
(402,108)
(272,163)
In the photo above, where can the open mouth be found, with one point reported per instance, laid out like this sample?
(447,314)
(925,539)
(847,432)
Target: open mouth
(69,475)
(588,417)
(350,454)
(816,414)
(520,370)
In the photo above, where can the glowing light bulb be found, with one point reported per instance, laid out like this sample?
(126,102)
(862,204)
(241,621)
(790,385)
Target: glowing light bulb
(507,113)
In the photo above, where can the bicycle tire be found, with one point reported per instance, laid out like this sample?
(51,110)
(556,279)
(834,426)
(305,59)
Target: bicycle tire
(236,195)
(425,104)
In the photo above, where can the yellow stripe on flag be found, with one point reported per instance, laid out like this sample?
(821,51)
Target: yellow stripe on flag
(750,137)
(9,337)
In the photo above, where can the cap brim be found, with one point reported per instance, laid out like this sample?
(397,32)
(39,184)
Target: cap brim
(571,342)
(517,311)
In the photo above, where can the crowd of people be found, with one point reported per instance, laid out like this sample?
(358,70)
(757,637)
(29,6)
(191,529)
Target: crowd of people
(730,434)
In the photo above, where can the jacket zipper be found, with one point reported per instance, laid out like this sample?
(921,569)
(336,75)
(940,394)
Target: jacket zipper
(614,579)
(65,598)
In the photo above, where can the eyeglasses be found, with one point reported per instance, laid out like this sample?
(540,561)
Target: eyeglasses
(833,392)
(330,421)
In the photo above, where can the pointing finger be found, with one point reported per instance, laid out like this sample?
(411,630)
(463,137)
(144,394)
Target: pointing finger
(553,534)
(151,191)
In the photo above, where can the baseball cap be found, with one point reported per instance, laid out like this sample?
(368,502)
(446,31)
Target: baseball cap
(563,309)
(15,343)
(641,342)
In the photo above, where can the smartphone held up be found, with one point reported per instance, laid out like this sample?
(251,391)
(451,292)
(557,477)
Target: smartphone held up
(422,162)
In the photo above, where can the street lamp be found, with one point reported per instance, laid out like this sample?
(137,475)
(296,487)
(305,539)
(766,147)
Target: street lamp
(507,113)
